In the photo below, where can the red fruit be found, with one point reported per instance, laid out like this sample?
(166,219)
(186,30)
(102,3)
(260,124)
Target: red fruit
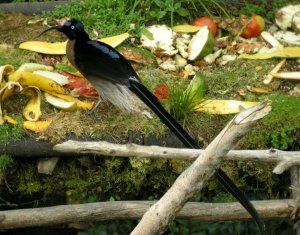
(206,21)
(80,86)
(254,27)
(162,92)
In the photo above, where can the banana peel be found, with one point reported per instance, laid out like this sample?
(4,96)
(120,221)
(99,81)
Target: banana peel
(59,48)
(186,28)
(5,70)
(223,106)
(37,127)
(30,67)
(286,52)
(32,110)
(31,79)
(7,86)
(80,104)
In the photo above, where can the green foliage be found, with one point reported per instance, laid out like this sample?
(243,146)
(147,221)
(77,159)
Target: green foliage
(115,17)
(5,161)
(11,132)
(283,138)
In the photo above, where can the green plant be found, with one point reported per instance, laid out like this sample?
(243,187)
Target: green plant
(283,138)
(5,161)
(181,102)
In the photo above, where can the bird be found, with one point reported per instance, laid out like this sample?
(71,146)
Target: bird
(116,81)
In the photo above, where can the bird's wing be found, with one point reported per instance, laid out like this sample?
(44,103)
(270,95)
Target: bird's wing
(97,60)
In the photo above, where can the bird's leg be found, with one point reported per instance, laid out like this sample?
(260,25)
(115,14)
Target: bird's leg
(95,107)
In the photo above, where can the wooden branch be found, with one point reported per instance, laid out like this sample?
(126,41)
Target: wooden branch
(156,219)
(284,159)
(99,211)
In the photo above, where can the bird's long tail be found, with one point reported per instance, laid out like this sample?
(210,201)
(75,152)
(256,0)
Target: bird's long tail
(150,100)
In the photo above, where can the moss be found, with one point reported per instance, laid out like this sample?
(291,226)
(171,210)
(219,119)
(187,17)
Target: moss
(285,114)
(11,132)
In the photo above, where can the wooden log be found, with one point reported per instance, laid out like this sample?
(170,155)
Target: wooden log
(156,219)
(100,211)
(285,159)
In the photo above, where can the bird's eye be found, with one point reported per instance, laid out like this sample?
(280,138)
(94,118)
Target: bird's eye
(72,27)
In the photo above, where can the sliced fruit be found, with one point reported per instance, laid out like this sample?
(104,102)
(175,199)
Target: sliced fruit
(162,92)
(60,103)
(254,27)
(195,91)
(79,86)
(201,44)
(206,21)
(32,110)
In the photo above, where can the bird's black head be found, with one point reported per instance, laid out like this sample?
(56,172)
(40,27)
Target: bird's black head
(72,28)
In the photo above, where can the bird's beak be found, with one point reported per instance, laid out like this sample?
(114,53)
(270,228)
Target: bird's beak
(58,28)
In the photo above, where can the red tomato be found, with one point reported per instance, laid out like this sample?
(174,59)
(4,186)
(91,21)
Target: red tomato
(162,92)
(206,21)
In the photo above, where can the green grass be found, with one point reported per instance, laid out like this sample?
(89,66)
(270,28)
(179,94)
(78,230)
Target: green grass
(115,17)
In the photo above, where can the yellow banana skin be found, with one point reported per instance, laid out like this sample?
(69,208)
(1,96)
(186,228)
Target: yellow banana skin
(32,110)
(31,79)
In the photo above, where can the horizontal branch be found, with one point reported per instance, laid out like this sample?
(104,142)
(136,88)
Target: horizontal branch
(283,158)
(208,212)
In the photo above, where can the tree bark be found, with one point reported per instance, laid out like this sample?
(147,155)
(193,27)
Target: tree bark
(99,211)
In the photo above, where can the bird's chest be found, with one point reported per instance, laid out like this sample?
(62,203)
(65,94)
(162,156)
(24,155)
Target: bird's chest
(71,52)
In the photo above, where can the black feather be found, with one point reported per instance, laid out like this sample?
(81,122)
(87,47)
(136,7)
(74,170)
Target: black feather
(147,97)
